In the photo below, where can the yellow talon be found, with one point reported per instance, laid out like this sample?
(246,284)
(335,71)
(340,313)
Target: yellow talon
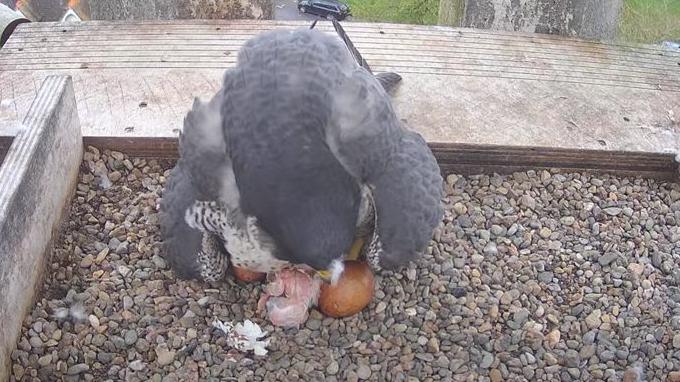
(353,254)
(355,251)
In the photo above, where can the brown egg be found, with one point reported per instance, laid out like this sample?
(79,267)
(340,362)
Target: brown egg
(247,276)
(352,293)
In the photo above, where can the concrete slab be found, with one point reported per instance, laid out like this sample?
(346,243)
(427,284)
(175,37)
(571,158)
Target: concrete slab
(590,19)
(37,180)
(462,87)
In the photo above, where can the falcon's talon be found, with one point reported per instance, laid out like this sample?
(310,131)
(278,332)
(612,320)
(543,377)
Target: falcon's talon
(355,251)
(325,275)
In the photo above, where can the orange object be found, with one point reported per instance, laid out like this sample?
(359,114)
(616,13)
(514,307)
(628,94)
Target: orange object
(352,293)
(247,276)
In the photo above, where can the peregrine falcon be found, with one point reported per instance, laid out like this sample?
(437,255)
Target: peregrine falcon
(299,154)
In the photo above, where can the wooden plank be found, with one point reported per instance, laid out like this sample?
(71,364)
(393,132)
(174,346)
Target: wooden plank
(468,159)
(461,88)
(37,180)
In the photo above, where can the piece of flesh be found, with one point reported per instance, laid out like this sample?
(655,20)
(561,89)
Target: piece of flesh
(291,292)
(289,295)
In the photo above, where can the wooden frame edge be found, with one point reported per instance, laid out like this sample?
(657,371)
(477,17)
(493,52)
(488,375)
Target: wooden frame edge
(37,181)
(469,158)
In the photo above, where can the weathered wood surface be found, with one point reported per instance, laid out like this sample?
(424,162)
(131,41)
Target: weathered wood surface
(461,87)
(37,179)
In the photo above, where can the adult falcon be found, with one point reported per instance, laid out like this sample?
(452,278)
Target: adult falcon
(296,157)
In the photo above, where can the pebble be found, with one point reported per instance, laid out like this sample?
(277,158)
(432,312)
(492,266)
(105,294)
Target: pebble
(545,277)
(87,261)
(545,232)
(35,342)
(613,211)
(130,337)
(333,368)
(77,369)
(137,365)
(593,320)
(380,307)
(163,355)
(674,376)
(636,268)
(18,371)
(364,372)
(572,358)
(553,337)
(487,360)
(459,209)
(45,360)
(567,220)
(433,345)
(607,259)
(632,375)
(509,296)
(491,249)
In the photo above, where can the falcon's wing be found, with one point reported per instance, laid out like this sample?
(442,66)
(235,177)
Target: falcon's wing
(408,201)
(181,243)
(203,150)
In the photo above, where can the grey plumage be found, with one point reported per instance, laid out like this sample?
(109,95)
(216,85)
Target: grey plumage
(388,80)
(394,162)
(300,151)
(191,253)
(201,174)
(278,104)
(407,199)
(202,225)
(204,152)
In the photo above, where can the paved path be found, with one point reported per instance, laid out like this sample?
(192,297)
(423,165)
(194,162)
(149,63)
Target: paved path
(287,10)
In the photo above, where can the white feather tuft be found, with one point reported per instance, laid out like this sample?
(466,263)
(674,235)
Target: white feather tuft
(337,268)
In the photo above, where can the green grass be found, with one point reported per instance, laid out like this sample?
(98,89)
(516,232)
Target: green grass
(396,11)
(648,21)
(643,21)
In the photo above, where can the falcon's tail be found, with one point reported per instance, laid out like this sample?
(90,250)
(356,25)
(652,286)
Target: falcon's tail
(355,52)
(389,80)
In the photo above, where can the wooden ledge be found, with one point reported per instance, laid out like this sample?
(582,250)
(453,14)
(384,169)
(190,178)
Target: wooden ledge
(37,179)
(470,159)
(485,100)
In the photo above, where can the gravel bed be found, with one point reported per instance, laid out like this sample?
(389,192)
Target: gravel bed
(538,276)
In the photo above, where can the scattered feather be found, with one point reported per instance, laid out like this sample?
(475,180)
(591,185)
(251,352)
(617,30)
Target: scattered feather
(75,313)
(244,337)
